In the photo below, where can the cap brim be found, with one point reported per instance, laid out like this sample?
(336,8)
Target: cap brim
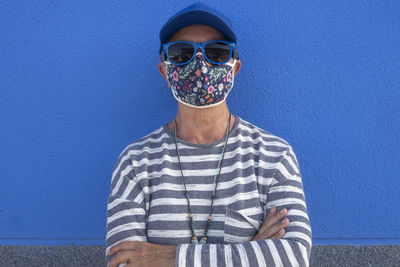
(195,17)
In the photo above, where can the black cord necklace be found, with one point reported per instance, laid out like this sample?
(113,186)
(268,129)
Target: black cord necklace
(216,177)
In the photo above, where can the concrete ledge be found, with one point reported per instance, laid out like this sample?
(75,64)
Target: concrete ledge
(329,255)
(11,256)
(352,255)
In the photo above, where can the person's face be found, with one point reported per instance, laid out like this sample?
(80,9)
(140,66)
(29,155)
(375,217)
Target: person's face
(197,34)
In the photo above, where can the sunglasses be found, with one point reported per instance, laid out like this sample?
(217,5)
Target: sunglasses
(182,52)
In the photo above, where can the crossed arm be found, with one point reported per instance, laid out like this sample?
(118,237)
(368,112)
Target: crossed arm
(126,222)
(148,254)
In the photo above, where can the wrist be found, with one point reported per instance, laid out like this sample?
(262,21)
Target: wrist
(172,254)
(168,254)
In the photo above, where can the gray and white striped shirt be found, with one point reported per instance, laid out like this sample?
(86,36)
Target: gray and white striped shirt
(259,170)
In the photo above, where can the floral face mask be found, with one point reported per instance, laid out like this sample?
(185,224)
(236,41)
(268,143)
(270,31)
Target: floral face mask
(200,84)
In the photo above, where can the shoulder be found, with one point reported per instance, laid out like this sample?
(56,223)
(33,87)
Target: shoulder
(149,140)
(271,148)
(142,146)
(276,157)
(262,135)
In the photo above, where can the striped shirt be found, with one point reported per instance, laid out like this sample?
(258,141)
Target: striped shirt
(259,170)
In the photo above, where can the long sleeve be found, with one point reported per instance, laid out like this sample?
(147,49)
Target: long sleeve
(126,208)
(294,249)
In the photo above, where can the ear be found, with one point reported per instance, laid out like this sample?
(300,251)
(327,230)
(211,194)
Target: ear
(237,66)
(163,71)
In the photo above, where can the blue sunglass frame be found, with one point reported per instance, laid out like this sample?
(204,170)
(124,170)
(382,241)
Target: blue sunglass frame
(232,49)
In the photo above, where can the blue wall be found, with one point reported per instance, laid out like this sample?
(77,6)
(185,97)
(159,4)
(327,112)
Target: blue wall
(79,82)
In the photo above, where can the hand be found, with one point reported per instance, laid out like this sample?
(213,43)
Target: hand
(142,254)
(270,228)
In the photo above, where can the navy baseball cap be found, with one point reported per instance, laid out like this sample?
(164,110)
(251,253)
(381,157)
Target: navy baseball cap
(197,13)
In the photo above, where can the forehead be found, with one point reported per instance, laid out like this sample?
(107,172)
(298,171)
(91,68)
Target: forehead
(197,33)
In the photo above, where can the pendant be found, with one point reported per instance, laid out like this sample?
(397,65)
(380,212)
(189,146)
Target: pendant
(194,241)
(202,241)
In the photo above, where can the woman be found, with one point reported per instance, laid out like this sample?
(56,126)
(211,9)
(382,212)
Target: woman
(202,189)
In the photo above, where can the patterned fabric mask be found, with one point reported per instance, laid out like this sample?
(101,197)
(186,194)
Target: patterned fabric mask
(200,84)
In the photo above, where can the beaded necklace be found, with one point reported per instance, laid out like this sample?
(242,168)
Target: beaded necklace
(194,237)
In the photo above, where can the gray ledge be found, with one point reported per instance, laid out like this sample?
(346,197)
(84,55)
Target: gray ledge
(321,255)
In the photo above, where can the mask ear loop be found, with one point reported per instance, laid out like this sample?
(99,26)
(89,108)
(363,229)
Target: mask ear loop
(231,64)
(233,71)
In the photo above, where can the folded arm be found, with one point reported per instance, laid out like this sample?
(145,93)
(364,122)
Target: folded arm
(126,221)
(294,249)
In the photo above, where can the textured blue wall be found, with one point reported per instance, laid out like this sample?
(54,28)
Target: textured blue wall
(79,82)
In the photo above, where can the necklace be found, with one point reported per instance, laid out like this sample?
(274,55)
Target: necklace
(194,237)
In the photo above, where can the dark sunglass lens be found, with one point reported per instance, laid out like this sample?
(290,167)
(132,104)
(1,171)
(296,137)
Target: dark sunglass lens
(180,52)
(217,51)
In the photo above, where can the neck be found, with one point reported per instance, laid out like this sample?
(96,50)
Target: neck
(201,126)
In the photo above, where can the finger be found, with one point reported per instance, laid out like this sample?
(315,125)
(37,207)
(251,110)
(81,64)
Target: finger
(121,257)
(279,234)
(122,246)
(282,212)
(272,210)
(274,214)
(272,230)
(273,219)
(269,234)
(278,215)
(275,229)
